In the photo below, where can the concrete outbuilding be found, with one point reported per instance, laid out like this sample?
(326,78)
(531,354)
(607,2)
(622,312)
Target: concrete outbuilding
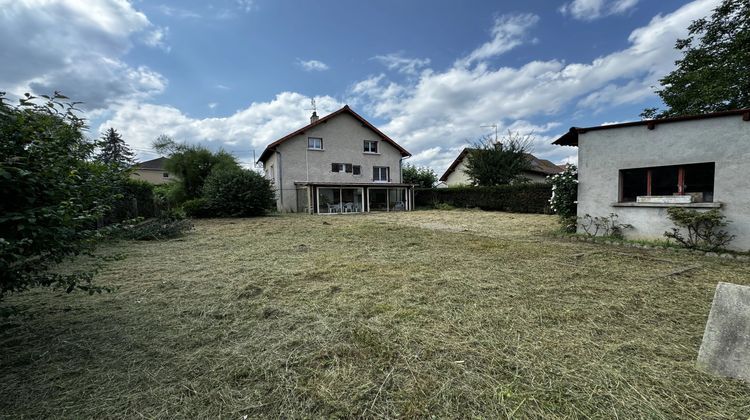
(640,169)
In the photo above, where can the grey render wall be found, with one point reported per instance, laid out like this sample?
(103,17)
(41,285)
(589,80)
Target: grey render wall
(343,142)
(724,140)
(458,177)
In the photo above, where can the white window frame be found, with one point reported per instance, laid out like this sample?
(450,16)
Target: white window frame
(380,173)
(368,148)
(320,141)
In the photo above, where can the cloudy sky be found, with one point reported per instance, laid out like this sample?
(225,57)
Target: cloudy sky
(239,74)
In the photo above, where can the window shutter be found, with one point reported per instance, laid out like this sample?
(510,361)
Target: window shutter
(348,168)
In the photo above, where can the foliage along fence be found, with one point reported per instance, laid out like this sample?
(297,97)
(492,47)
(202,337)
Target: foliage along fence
(518,198)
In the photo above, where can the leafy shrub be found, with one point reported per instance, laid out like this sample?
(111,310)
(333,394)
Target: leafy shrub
(238,193)
(563,201)
(136,199)
(423,177)
(519,198)
(52,193)
(603,226)
(703,228)
(197,207)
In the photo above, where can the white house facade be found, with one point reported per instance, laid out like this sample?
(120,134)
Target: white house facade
(455,175)
(638,170)
(339,163)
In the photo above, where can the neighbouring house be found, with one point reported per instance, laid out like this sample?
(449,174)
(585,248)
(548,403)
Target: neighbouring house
(339,163)
(152,171)
(455,175)
(640,169)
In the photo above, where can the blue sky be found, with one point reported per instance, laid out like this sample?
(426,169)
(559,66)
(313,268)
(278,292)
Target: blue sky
(239,74)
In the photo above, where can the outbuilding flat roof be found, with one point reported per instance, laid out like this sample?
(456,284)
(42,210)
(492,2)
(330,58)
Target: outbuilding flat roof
(571,137)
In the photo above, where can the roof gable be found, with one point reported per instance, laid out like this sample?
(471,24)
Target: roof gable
(271,147)
(536,165)
(157,164)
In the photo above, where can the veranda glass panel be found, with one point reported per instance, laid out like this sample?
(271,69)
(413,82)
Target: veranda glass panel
(352,200)
(329,200)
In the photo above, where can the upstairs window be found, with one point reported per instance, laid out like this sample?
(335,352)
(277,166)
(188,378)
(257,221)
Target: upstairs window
(371,146)
(356,170)
(315,143)
(337,167)
(696,180)
(380,173)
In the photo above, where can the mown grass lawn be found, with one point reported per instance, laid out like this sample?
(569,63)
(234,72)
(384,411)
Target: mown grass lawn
(449,314)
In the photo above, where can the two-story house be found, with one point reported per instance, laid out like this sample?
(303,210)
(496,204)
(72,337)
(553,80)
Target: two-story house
(339,163)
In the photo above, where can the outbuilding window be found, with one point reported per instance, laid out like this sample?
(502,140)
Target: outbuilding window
(696,180)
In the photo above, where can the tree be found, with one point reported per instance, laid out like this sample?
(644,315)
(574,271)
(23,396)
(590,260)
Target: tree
(192,164)
(712,74)
(53,194)
(114,151)
(238,193)
(498,163)
(422,176)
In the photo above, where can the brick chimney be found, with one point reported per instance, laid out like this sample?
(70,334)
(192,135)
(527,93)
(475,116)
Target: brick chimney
(314,117)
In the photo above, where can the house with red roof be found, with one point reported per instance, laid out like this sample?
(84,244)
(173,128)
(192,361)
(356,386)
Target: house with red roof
(339,163)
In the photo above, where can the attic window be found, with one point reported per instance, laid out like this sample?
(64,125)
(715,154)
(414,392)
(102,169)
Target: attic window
(371,146)
(315,143)
(694,180)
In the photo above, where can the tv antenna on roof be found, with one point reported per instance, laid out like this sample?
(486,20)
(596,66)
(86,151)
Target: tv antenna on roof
(314,106)
(491,126)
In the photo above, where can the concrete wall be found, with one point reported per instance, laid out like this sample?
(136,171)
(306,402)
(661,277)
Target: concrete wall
(343,142)
(458,177)
(153,176)
(725,141)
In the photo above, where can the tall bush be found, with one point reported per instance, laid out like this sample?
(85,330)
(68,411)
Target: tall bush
(53,195)
(564,200)
(238,193)
(192,164)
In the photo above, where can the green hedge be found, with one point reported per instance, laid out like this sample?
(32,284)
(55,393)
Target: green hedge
(519,198)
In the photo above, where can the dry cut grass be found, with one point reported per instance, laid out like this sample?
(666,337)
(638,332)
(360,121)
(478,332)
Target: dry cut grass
(448,314)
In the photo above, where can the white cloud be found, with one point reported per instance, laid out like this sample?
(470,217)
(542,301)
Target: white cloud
(178,12)
(446,108)
(82,56)
(212,105)
(401,64)
(508,32)
(157,38)
(595,9)
(251,128)
(246,5)
(312,65)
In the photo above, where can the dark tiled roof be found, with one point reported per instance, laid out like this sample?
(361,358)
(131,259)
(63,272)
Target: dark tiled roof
(156,164)
(571,137)
(270,148)
(536,165)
